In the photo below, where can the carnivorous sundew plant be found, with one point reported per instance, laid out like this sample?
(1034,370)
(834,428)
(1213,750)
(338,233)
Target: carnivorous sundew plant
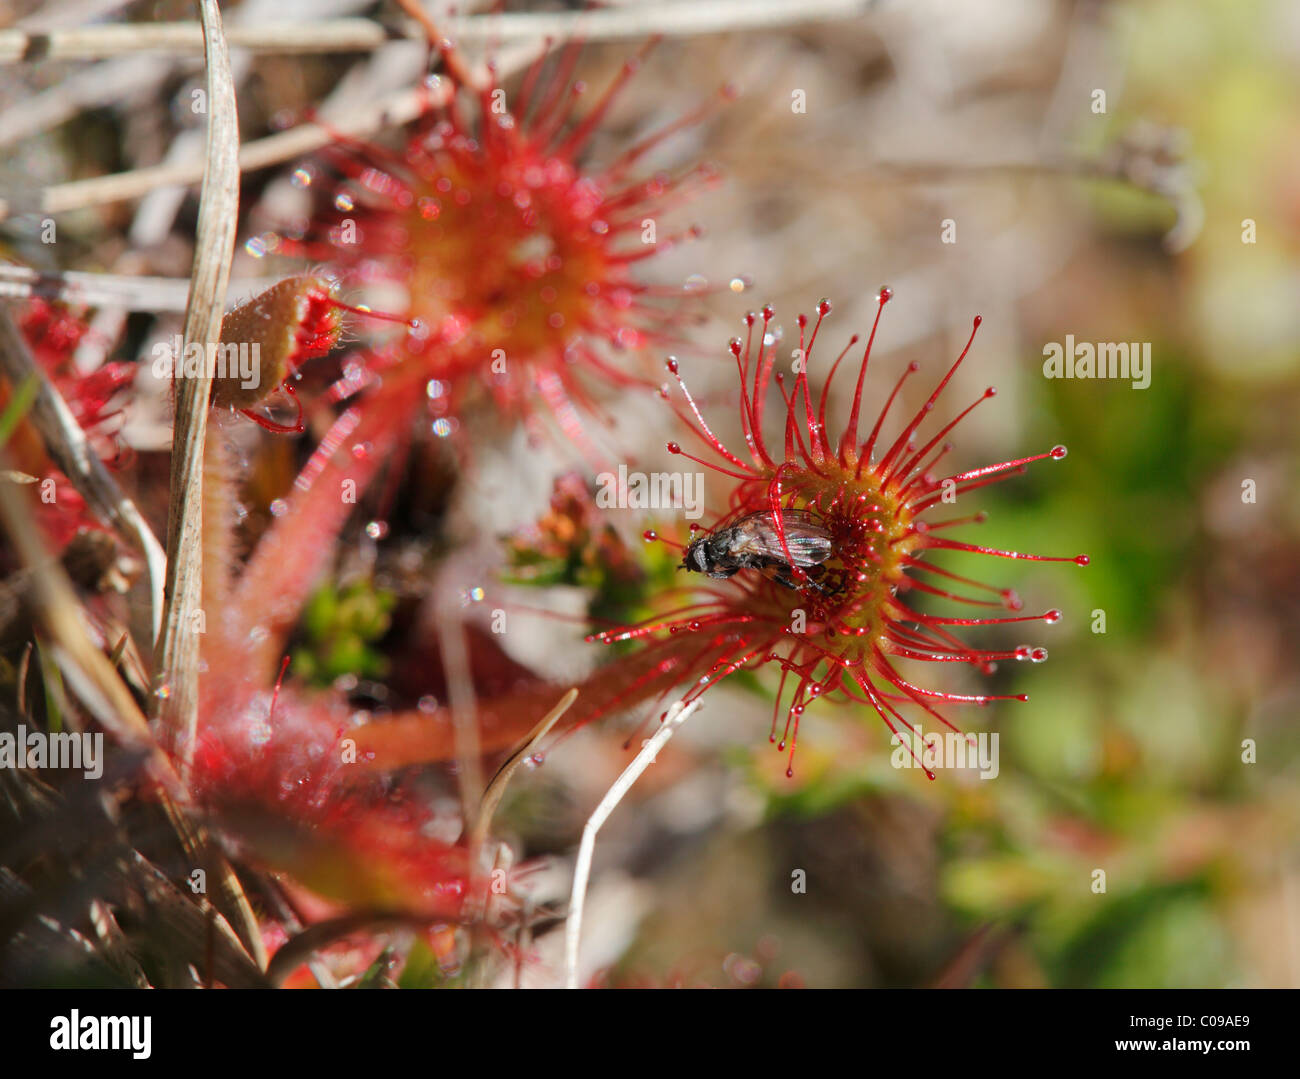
(836,625)
(518,259)
(295,320)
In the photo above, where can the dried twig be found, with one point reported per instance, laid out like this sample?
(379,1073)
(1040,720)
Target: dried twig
(178,917)
(158,295)
(404,106)
(92,678)
(677,715)
(176,667)
(394,110)
(464,709)
(679,18)
(186,39)
(496,787)
(479,823)
(120,81)
(114,943)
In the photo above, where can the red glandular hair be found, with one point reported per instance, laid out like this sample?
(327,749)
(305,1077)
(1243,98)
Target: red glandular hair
(871,495)
(53,333)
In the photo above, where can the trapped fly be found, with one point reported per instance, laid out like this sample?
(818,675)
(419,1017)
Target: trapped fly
(752,542)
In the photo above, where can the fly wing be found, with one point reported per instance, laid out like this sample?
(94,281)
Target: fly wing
(809,543)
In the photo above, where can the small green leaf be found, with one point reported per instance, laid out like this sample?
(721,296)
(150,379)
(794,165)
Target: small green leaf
(18,406)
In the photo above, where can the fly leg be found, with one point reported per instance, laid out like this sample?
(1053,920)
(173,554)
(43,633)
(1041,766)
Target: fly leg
(784,576)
